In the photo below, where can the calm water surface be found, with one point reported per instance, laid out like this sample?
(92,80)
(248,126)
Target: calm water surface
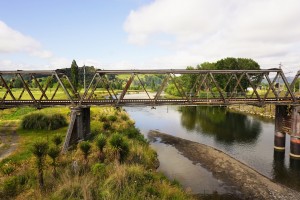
(246,138)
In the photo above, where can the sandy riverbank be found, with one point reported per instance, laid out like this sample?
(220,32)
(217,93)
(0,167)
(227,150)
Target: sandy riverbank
(252,184)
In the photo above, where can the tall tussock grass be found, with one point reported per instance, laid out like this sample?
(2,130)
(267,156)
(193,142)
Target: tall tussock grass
(38,121)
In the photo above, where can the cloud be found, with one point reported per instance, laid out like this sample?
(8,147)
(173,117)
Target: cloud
(195,31)
(12,41)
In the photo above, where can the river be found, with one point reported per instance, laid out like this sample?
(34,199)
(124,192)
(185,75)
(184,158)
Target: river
(247,138)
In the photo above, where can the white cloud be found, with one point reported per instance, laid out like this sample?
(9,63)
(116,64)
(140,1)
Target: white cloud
(206,30)
(12,41)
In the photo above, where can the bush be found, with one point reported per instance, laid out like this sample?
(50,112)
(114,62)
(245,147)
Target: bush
(85,147)
(10,187)
(112,118)
(101,142)
(99,169)
(120,145)
(134,133)
(57,140)
(38,121)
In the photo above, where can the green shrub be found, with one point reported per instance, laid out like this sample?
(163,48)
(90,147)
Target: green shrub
(112,118)
(134,133)
(38,121)
(96,127)
(7,169)
(120,145)
(85,147)
(10,187)
(99,169)
(106,126)
(57,140)
(124,117)
(101,142)
(103,118)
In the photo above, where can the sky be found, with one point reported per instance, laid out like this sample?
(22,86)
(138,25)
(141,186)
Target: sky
(144,34)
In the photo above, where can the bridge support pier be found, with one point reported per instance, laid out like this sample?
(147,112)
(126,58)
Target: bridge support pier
(281,115)
(295,133)
(79,127)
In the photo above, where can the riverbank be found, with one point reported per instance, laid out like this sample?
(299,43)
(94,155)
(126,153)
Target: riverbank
(268,111)
(252,184)
(123,168)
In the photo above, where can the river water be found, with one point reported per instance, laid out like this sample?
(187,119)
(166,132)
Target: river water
(247,138)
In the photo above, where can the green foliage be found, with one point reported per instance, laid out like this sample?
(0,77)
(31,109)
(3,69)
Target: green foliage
(120,145)
(53,152)
(99,169)
(85,147)
(39,121)
(57,140)
(134,133)
(74,74)
(101,142)
(39,149)
(112,118)
(7,169)
(10,187)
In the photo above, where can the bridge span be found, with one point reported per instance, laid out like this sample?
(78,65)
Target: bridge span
(40,88)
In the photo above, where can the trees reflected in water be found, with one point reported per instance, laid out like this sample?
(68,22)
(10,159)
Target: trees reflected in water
(226,127)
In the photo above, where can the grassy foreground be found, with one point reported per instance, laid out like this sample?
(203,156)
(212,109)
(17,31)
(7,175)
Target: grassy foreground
(114,172)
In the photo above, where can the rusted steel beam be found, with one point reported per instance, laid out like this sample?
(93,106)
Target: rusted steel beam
(271,85)
(141,82)
(27,88)
(184,71)
(162,87)
(287,86)
(7,88)
(126,88)
(253,86)
(50,72)
(64,88)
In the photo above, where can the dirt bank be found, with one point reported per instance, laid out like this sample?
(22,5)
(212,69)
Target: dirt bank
(8,141)
(252,184)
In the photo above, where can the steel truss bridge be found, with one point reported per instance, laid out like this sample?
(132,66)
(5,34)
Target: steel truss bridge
(210,87)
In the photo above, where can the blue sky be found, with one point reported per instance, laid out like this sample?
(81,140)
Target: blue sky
(127,34)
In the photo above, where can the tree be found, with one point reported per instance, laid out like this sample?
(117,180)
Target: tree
(85,147)
(101,142)
(53,152)
(120,146)
(74,74)
(236,64)
(39,150)
(57,140)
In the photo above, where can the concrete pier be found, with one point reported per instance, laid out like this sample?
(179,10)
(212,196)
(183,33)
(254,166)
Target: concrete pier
(79,127)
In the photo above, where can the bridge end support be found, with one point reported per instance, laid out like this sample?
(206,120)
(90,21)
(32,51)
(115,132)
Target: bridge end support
(79,127)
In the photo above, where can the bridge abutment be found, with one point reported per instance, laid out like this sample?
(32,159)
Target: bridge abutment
(79,127)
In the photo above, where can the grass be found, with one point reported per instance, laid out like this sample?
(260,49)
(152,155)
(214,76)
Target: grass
(134,178)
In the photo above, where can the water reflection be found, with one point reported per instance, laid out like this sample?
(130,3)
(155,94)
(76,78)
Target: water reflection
(226,127)
(288,176)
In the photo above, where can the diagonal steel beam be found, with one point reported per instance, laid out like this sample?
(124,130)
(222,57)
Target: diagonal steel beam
(7,88)
(27,88)
(40,87)
(179,88)
(162,87)
(64,88)
(293,83)
(218,88)
(126,88)
(271,85)
(253,86)
(143,85)
(287,86)
(199,86)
